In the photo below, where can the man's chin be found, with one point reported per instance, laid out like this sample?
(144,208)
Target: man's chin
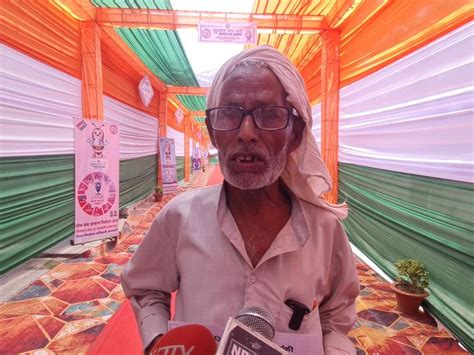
(246,181)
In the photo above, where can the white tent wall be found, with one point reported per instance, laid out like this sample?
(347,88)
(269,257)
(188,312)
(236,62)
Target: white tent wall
(38,105)
(414,116)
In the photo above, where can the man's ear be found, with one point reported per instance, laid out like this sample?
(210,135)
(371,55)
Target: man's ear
(210,131)
(297,131)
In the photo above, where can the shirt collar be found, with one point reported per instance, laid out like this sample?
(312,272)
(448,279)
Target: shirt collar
(292,236)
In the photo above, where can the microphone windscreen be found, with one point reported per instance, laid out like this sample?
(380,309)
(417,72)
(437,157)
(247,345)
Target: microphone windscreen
(188,339)
(257,319)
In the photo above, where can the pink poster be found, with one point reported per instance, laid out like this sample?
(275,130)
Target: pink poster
(96,180)
(168,165)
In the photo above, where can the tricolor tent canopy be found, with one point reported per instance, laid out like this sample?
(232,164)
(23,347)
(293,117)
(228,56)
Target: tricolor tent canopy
(391,88)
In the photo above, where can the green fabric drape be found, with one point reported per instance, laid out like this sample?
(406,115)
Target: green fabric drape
(134,4)
(180,168)
(193,102)
(37,206)
(395,215)
(200,119)
(163,53)
(137,179)
(160,50)
(37,201)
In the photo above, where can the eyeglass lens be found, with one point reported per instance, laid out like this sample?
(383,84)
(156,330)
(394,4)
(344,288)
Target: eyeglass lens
(266,117)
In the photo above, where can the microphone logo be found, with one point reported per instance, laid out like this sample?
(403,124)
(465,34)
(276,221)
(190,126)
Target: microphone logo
(237,348)
(175,350)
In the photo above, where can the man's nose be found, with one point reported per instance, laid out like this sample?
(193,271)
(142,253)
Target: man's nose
(248,129)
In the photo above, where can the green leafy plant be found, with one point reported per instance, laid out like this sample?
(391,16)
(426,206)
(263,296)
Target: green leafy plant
(158,193)
(412,276)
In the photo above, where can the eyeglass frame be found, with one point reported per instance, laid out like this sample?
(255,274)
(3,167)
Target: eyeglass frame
(291,112)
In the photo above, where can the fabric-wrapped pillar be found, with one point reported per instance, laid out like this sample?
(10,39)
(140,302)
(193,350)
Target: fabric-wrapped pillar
(91,63)
(163,113)
(330,107)
(187,160)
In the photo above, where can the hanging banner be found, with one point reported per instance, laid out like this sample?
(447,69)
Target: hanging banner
(96,145)
(146,90)
(228,32)
(168,165)
(196,158)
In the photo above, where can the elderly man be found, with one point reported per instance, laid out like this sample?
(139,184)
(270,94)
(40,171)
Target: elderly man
(266,236)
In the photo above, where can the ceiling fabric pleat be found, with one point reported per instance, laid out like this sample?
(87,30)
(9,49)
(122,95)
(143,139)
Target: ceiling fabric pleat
(160,50)
(193,102)
(134,4)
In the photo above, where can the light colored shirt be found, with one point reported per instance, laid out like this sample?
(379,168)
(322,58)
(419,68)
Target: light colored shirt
(194,247)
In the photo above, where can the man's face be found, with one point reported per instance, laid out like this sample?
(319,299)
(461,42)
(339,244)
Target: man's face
(252,158)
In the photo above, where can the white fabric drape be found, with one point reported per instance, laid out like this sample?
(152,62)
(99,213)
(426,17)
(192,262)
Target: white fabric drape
(38,104)
(191,146)
(178,140)
(138,130)
(416,115)
(37,107)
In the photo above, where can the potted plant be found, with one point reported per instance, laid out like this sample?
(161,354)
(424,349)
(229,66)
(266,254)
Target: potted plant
(158,193)
(410,288)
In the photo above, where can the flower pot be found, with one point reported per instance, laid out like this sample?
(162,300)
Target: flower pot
(408,302)
(158,197)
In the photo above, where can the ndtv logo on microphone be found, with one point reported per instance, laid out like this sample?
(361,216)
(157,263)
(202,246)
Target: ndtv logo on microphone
(237,348)
(175,350)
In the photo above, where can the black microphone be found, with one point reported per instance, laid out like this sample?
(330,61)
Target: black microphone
(249,333)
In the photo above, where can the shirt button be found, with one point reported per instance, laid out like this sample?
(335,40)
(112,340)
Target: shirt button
(253,279)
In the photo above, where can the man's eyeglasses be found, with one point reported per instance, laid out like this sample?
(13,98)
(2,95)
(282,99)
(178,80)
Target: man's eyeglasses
(269,118)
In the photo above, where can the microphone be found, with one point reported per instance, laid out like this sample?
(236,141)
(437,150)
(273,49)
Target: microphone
(192,339)
(249,333)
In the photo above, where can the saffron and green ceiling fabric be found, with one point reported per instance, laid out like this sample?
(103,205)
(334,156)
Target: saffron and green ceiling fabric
(193,102)
(134,4)
(200,119)
(160,50)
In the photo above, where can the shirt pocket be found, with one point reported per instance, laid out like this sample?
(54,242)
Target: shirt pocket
(311,323)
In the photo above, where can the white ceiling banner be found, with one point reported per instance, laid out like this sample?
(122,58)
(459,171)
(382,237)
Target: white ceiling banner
(414,116)
(178,140)
(227,32)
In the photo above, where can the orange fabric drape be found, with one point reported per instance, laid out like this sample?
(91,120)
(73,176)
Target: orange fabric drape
(48,34)
(122,77)
(41,31)
(163,113)
(330,107)
(398,29)
(187,160)
(92,84)
(171,121)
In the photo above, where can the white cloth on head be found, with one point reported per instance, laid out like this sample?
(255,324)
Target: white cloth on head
(305,172)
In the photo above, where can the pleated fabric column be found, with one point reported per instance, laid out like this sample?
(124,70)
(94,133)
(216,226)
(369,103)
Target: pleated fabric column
(162,122)
(92,85)
(330,107)
(187,160)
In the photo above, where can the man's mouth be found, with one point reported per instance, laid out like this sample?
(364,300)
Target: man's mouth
(245,159)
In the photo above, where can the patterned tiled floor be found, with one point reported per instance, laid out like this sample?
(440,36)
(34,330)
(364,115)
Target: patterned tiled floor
(65,309)
(382,329)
